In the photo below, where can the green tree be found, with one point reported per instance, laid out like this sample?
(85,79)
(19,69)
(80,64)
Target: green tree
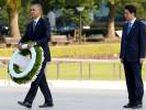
(4,16)
(3,12)
(118,4)
(2,3)
(24,14)
(13,7)
(73,14)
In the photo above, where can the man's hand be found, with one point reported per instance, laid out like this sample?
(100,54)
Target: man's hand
(142,60)
(19,46)
(26,46)
(30,45)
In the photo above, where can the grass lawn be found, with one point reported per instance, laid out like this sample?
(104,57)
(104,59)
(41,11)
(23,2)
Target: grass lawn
(77,51)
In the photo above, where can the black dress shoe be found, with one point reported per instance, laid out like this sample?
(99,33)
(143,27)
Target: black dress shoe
(129,105)
(46,105)
(137,106)
(25,104)
(133,106)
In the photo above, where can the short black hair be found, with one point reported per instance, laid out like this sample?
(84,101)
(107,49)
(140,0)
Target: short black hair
(131,8)
(36,3)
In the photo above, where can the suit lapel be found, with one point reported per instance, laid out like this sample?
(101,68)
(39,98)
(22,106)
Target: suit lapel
(124,35)
(31,26)
(126,28)
(30,30)
(132,28)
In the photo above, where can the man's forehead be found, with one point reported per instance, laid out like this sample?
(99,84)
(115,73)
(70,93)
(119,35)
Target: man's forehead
(127,12)
(35,7)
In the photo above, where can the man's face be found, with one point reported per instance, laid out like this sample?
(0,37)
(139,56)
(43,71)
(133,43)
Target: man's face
(35,11)
(128,16)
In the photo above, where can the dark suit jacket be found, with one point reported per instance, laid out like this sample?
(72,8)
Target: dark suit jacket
(41,35)
(133,44)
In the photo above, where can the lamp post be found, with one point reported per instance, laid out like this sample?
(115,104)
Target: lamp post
(80,9)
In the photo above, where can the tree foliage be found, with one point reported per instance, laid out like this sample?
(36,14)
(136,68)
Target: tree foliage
(68,7)
(13,5)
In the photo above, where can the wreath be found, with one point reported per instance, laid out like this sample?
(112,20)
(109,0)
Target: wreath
(25,64)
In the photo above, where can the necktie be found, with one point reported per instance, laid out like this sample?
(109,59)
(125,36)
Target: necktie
(129,27)
(34,24)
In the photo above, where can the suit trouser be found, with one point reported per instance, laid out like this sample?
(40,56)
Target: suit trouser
(134,81)
(41,82)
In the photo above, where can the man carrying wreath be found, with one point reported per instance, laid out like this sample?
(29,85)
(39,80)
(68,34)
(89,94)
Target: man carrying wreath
(38,32)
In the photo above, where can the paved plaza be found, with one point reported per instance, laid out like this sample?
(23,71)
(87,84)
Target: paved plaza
(68,98)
